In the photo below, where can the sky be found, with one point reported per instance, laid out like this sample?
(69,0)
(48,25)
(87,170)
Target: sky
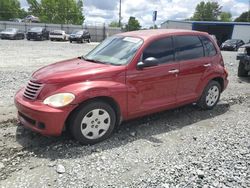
(105,11)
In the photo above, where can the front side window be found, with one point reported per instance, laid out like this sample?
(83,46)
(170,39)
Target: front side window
(208,47)
(117,50)
(161,49)
(188,47)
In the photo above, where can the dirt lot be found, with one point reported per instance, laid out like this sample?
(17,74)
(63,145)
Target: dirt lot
(184,147)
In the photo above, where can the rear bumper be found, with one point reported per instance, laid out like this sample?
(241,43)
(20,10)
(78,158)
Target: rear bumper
(39,117)
(57,37)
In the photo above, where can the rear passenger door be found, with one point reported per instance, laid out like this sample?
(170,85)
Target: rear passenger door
(193,64)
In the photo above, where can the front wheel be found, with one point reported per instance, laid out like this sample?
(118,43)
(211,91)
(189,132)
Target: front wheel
(210,95)
(93,122)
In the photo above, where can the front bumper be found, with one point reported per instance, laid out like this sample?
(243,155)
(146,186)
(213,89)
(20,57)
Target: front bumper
(56,37)
(7,36)
(75,39)
(39,117)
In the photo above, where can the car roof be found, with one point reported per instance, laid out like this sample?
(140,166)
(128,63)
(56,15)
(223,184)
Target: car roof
(152,33)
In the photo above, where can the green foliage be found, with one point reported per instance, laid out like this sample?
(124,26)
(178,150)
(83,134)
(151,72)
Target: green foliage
(244,17)
(207,11)
(133,24)
(226,17)
(34,7)
(114,24)
(10,9)
(58,11)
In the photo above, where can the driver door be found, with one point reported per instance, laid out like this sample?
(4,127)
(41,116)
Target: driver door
(153,88)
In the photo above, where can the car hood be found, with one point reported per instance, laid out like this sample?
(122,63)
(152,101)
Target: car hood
(75,70)
(7,33)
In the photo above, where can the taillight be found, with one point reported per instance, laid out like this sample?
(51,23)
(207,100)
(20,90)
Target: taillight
(222,63)
(226,72)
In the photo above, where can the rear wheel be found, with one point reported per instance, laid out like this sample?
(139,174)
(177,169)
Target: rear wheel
(210,95)
(89,40)
(242,72)
(93,122)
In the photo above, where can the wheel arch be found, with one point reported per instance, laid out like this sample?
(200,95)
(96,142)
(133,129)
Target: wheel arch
(109,100)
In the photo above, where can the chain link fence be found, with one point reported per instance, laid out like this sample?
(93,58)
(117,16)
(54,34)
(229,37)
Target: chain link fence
(98,32)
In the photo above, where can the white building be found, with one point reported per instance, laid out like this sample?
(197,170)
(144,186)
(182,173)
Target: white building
(222,30)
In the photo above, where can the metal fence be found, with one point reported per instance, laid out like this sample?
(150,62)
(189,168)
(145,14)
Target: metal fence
(97,32)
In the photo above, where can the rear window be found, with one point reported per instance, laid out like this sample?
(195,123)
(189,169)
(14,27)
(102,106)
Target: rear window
(209,48)
(188,47)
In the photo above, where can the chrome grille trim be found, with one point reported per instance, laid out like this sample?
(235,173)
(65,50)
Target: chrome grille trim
(32,90)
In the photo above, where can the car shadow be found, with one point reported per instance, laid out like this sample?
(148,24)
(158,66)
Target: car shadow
(146,128)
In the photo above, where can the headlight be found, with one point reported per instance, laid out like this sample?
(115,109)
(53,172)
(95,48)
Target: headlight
(242,51)
(59,100)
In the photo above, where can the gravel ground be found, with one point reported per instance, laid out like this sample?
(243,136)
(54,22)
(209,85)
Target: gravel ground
(185,147)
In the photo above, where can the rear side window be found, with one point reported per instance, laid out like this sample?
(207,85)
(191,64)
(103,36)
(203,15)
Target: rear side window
(161,49)
(209,48)
(188,47)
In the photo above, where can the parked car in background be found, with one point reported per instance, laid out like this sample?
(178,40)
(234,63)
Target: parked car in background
(12,33)
(37,33)
(58,35)
(80,36)
(31,19)
(232,44)
(244,63)
(15,20)
(128,75)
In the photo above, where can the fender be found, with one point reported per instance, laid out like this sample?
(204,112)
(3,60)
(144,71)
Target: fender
(207,77)
(93,89)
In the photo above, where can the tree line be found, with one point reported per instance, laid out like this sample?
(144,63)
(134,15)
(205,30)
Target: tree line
(56,11)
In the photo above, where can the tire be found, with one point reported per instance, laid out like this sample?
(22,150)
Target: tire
(82,40)
(28,38)
(70,41)
(92,122)
(210,96)
(89,40)
(241,70)
(51,39)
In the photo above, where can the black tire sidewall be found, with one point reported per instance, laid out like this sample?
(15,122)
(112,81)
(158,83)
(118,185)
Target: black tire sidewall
(202,102)
(76,119)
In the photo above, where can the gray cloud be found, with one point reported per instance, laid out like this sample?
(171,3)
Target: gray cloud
(102,4)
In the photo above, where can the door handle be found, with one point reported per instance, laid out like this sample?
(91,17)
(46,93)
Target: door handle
(174,71)
(207,65)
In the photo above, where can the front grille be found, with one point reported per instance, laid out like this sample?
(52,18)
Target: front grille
(32,90)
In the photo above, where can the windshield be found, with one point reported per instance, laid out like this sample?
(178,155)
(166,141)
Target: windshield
(11,30)
(116,50)
(36,29)
(77,32)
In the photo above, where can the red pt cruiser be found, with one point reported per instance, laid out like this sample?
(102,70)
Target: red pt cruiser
(127,76)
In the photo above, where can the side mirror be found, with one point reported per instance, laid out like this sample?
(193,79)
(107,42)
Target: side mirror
(149,62)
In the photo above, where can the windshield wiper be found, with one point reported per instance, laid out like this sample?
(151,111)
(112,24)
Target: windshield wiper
(93,60)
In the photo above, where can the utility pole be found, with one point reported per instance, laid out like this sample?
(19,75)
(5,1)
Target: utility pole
(120,14)
(248,19)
